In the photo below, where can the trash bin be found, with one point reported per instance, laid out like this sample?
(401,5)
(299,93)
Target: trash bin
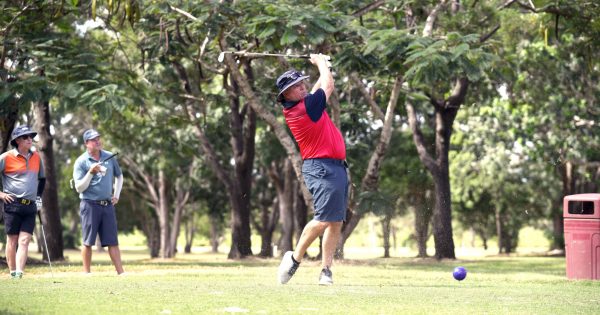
(582,235)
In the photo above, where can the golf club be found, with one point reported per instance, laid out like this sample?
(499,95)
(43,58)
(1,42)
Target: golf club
(250,54)
(110,157)
(45,243)
(72,181)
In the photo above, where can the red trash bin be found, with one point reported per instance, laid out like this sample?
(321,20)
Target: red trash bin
(582,235)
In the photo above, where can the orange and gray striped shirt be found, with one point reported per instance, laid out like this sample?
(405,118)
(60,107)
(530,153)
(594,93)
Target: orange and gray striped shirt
(21,174)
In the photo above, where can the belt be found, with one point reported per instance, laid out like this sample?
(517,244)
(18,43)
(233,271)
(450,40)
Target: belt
(24,201)
(333,161)
(100,202)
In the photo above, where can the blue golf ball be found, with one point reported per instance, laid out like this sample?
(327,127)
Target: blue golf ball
(460,273)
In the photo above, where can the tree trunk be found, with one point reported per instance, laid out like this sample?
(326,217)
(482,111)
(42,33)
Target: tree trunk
(238,184)
(370,180)
(285,194)
(422,220)
(445,113)
(182,194)
(151,229)
(215,232)
(566,171)
(50,213)
(8,118)
(386,228)
(442,217)
(162,210)
(268,222)
(190,230)
(300,212)
(499,230)
(240,229)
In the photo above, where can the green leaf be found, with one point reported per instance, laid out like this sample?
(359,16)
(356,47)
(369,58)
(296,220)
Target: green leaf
(271,28)
(324,25)
(288,37)
(459,50)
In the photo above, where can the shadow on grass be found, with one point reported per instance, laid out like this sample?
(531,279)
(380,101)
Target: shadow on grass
(408,285)
(497,265)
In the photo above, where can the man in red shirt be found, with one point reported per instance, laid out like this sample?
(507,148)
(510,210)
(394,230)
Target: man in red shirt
(324,169)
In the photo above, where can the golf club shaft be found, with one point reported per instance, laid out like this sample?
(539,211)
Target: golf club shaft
(252,54)
(110,157)
(46,244)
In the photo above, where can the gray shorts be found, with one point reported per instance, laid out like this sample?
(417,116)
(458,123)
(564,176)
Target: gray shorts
(327,181)
(98,217)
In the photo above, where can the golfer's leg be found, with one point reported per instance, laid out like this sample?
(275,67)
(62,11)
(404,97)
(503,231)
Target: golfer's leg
(330,239)
(23,250)
(115,256)
(311,231)
(86,257)
(11,251)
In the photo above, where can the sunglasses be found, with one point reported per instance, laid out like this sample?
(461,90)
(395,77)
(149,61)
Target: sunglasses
(25,137)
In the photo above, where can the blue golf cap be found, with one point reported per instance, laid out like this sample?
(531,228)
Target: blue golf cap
(288,79)
(90,134)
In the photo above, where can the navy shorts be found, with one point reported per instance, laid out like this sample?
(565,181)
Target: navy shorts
(98,218)
(19,217)
(327,181)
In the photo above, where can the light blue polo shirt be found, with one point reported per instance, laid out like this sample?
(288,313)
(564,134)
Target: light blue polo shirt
(100,187)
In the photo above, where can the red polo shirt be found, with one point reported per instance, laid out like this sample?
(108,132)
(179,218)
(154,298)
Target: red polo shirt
(313,130)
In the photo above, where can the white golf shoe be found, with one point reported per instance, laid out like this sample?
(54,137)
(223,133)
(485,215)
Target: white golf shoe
(287,268)
(326,277)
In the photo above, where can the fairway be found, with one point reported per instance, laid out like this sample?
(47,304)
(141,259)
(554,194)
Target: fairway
(211,284)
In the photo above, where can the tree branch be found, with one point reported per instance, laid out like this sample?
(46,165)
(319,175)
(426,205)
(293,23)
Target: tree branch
(458,94)
(144,180)
(361,87)
(487,36)
(420,140)
(369,181)
(184,13)
(429,23)
(366,9)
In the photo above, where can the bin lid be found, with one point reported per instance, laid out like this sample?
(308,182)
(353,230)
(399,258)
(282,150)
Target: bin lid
(582,206)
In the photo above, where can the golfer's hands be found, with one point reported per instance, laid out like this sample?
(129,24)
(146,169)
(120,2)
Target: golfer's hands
(114,200)
(38,203)
(95,168)
(6,197)
(317,59)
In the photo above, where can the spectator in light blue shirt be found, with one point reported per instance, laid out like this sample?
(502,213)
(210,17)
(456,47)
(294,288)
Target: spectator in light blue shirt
(96,172)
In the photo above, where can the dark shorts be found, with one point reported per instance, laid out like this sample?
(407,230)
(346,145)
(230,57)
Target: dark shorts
(19,217)
(327,181)
(98,218)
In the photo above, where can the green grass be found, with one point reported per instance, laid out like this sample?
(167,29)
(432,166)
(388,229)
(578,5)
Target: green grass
(211,284)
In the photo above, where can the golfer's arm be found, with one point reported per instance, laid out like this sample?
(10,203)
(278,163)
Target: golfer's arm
(82,184)
(118,186)
(325,78)
(41,186)
(316,86)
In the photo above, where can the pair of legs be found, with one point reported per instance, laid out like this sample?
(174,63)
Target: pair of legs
(113,252)
(331,234)
(16,257)
(98,218)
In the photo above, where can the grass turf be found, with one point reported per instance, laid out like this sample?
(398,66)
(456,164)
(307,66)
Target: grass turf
(210,284)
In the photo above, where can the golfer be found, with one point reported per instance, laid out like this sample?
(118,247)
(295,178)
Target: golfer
(94,178)
(23,183)
(324,169)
